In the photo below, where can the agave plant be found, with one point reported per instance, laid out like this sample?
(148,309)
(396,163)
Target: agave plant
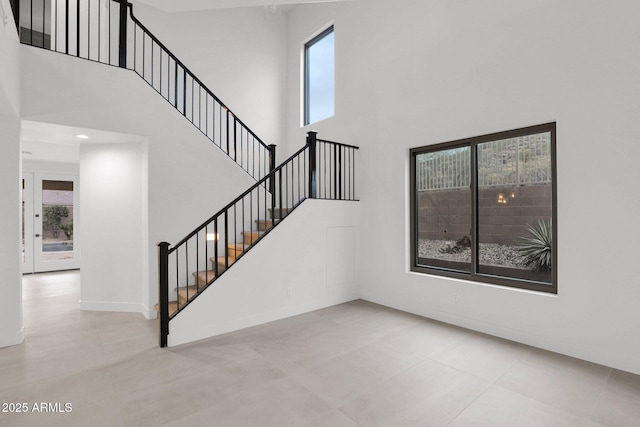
(537,248)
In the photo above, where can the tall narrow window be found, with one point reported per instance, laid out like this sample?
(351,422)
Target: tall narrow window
(483,208)
(319,77)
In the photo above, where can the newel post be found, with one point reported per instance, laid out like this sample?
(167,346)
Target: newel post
(311,143)
(272,178)
(163,291)
(122,47)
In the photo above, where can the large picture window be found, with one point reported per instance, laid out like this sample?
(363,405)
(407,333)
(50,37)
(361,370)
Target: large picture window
(484,208)
(319,77)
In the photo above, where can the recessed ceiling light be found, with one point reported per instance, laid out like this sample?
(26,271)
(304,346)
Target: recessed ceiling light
(82,137)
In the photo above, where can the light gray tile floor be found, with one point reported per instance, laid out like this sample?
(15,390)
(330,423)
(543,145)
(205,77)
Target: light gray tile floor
(355,364)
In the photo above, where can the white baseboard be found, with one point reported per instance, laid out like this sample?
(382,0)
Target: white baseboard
(123,307)
(12,339)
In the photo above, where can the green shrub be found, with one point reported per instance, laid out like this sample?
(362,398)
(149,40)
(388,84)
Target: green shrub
(52,218)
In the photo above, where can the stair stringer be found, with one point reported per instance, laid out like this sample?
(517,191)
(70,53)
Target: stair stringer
(306,263)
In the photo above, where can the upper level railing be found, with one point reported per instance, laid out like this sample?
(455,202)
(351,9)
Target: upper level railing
(321,169)
(106,31)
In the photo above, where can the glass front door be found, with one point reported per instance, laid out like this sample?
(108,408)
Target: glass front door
(52,232)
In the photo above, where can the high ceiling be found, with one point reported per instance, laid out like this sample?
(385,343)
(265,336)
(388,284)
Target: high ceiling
(189,5)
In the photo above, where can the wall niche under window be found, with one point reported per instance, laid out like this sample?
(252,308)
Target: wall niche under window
(484,208)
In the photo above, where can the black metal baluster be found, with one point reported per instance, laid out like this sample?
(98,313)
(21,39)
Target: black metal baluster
(135,48)
(109,7)
(31,25)
(163,292)
(177,275)
(197,262)
(66,23)
(44,13)
(215,247)
(243,228)
(227,131)
(340,173)
(226,238)
(299,179)
(305,174)
(55,5)
(99,16)
(78,28)
(235,142)
(175,85)
(89,29)
(206,255)
(122,45)
(354,177)
(184,92)
(241,150)
(152,63)
(144,54)
(186,270)
(311,142)
(235,231)
(213,122)
(273,214)
(160,73)
(192,96)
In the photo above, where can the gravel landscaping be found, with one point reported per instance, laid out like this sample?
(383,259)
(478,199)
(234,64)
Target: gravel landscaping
(490,253)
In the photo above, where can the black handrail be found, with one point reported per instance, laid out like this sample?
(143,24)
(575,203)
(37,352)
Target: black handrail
(302,176)
(237,199)
(196,79)
(117,37)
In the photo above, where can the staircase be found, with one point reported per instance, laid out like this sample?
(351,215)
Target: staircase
(202,279)
(108,32)
(320,170)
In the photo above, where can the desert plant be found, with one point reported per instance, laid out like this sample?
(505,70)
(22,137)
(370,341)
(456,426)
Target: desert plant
(538,246)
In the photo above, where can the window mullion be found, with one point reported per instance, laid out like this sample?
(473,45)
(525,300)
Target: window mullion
(474,208)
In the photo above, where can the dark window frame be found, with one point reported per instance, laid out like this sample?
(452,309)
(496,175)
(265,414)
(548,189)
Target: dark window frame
(307,45)
(474,275)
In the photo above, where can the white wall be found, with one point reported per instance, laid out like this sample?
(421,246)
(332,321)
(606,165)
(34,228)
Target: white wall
(113,199)
(188,177)
(412,73)
(238,53)
(11,331)
(306,263)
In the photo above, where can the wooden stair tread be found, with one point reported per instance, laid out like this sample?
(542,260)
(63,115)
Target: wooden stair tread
(238,246)
(264,224)
(188,293)
(173,307)
(221,262)
(204,276)
(250,237)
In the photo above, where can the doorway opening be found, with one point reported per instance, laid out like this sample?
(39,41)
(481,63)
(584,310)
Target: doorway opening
(49,211)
